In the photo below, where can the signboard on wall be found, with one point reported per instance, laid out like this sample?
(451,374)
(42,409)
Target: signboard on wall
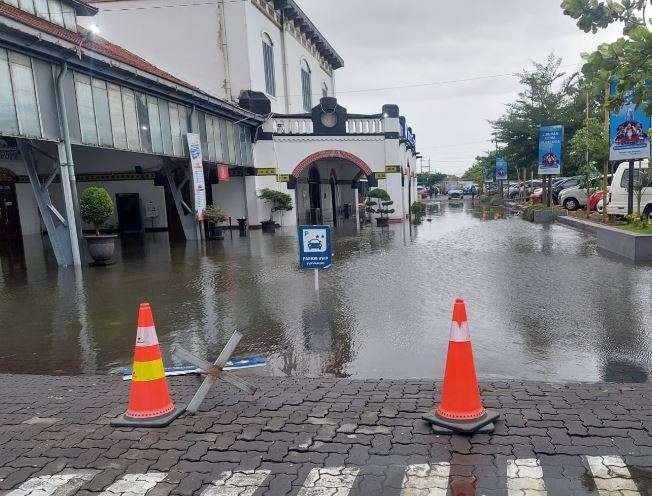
(628,128)
(197,173)
(551,139)
(223,173)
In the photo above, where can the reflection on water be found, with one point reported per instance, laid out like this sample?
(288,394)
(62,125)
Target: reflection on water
(543,303)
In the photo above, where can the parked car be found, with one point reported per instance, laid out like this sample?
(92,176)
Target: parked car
(600,206)
(594,199)
(617,204)
(455,195)
(561,184)
(574,198)
(515,189)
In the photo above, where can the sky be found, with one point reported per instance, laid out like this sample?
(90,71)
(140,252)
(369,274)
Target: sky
(388,43)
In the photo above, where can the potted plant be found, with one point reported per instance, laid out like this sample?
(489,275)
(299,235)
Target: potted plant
(279,201)
(214,216)
(378,201)
(96,207)
(418,210)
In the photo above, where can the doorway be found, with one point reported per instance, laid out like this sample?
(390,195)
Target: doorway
(333,183)
(9,217)
(314,191)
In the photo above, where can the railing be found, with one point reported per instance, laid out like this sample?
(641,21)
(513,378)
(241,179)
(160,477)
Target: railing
(303,125)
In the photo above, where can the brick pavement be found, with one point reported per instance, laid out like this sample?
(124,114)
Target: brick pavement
(324,437)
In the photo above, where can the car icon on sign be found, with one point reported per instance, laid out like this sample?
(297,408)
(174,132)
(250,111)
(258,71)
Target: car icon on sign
(314,244)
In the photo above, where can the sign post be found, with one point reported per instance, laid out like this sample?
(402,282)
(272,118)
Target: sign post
(628,139)
(501,172)
(197,178)
(315,249)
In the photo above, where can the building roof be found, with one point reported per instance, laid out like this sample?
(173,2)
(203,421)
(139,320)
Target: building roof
(84,39)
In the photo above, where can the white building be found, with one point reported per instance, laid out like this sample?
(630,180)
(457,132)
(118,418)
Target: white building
(226,47)
(248,77)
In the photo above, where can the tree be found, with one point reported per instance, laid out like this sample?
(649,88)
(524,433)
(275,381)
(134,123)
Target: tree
(430,179)
(589,146)
(278,200)
(95,207)
(476,172)
(549,96)
(628,58)
(641,181)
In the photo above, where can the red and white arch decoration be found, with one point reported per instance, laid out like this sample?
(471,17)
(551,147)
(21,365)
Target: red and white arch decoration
(325,154)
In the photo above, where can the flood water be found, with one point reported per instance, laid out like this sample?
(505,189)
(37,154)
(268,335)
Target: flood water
(542,302)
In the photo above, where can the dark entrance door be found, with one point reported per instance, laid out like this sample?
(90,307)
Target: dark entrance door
(175,228)
(130,217)
(314,190)
(334,200)
(9,218)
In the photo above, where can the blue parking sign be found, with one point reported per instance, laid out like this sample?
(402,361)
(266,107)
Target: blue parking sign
(315,247)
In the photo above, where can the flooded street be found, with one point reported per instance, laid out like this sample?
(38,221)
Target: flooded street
(543,303)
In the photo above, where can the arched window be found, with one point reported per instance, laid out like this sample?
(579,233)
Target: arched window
(306,86)
(268,64)
(324,90)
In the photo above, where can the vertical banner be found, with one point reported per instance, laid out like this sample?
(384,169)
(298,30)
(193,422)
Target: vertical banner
(197,173)
(551,140)
(488,175)
(501,169)
(628,138)
(223,173)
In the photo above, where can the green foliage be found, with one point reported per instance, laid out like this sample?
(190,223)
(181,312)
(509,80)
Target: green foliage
(594,137)
(418,210)
(279,201)
(215,214)
(377,202)
(642,180)
(429,179)
(548,97)
(95,206)
(626,59)
(638,221)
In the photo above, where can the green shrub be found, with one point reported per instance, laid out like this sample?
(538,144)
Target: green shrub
(418,210)
(279,201)
(378,201)
(528,209)
(213,213)
(637,221)
(95,207)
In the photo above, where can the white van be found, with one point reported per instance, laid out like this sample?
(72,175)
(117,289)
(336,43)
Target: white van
(618,198)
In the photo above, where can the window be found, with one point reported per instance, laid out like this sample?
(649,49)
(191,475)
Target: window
(268,64)
(56,12)
(26,5)
(177,144)
(647,177)
(154,125)
(166,130)
(306,89)
(8,122)
(86,109)
(69,20)
(324,90)
(143,123)
(117,117)
(102,118)
(210,138)
(131,119)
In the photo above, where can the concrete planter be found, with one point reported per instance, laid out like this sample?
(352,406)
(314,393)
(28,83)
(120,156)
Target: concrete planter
(633,246)
(101,248)
(544,216)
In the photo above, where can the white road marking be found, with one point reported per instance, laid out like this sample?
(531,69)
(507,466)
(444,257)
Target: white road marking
(611,476)
(134,484)
(238,483)
(336,481)
(426,480)
(61,484)
(525,478)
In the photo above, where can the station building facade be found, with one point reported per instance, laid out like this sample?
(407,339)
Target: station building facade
(78,109)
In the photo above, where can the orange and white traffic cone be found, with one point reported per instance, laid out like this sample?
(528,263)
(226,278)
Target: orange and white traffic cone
(461,407)
(150,404)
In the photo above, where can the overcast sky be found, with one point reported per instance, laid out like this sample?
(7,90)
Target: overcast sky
(386,43)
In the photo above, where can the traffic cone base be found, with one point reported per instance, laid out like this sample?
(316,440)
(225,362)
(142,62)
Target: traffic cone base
(483,425)
(160,421)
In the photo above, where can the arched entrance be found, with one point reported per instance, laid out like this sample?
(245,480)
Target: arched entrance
(328,181)
(9,217)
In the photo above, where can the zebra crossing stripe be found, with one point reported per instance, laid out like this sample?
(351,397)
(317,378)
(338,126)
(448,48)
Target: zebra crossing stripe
(62,484)
(525,478)
(134,484)
(336,481)
(611,476)
(426,480)
(237,483)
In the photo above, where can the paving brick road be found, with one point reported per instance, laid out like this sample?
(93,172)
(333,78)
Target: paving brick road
(323,437)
